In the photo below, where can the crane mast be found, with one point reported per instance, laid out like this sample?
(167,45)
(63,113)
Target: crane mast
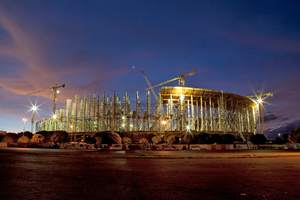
(259,101)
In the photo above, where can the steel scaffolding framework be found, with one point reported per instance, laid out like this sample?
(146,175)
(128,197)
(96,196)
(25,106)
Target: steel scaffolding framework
(181,108)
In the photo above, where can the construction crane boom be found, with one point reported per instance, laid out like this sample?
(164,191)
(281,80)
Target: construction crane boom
(150,85)
(174,79)
(55,89)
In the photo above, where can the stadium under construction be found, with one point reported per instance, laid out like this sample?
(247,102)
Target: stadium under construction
(174,109)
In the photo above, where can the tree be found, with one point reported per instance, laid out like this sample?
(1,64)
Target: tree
(258,139)
(173,139)
(60,137)
(90,140)
(156,139)
(228,139)
(203,138)
(46,134)
(143,141)
(37,138)
(108,138)
(26,133)
(10,138)
(279,140)
(23,139)
(215,138)
(126,140)
(115,137)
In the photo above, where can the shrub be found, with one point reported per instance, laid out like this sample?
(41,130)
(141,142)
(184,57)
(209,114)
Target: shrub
(215,138)
(126,140)
(47,135)
(258,139)
(156,139)
(23,139)
(108,138)
(202,138)
(115,137)
(90,140)
(228,139)
(173,139)
(37,138)
(26,133)
(10,138)
(60,137)
(143,141)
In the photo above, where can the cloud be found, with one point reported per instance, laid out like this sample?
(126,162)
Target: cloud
(270,117)
(285,128)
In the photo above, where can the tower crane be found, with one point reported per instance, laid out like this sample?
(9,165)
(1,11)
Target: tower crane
(56,91)
(259,100)
(181,77)
(150,87)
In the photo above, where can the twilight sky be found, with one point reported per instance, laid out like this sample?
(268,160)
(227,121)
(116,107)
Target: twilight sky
(96,46)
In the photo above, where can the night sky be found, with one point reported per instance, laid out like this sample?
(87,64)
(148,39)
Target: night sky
(102,46)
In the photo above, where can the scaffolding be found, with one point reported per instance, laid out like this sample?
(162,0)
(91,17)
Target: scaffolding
(180,108)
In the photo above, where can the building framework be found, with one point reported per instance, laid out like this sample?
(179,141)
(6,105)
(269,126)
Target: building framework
(176,109)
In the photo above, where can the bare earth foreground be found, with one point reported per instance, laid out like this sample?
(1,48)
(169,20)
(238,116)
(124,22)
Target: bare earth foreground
(74,174)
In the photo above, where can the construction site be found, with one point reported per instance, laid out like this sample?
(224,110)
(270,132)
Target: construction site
(178,108)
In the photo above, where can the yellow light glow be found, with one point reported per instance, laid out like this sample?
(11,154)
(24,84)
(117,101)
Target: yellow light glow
(24,120)
(54,116)
(259,100)
(181,96)
(163,122)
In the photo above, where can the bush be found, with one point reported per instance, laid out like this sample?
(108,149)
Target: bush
(138,137)
(60,137)
(47,135)
(23,139)
(202,138)
(279,140)
(90,140)
(126,140)
(143,141)
(215,138)
(258,139)
(228,139)
(10,138)
(173,139)
(37,138)
(187,139)
(26,133)
(108,138)
(156,139)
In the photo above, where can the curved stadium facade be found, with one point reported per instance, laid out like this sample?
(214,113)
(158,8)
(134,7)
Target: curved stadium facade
(176,109)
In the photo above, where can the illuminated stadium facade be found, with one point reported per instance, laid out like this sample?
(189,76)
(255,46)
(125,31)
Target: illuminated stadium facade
(176,109)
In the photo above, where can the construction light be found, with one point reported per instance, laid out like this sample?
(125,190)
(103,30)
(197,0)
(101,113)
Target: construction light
(54,116)
(182,97)
(259,101)
(34,108)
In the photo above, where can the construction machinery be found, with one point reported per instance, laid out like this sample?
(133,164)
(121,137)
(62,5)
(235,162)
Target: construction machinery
(259,100)
(56,91)
(181,78)
(150,87)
